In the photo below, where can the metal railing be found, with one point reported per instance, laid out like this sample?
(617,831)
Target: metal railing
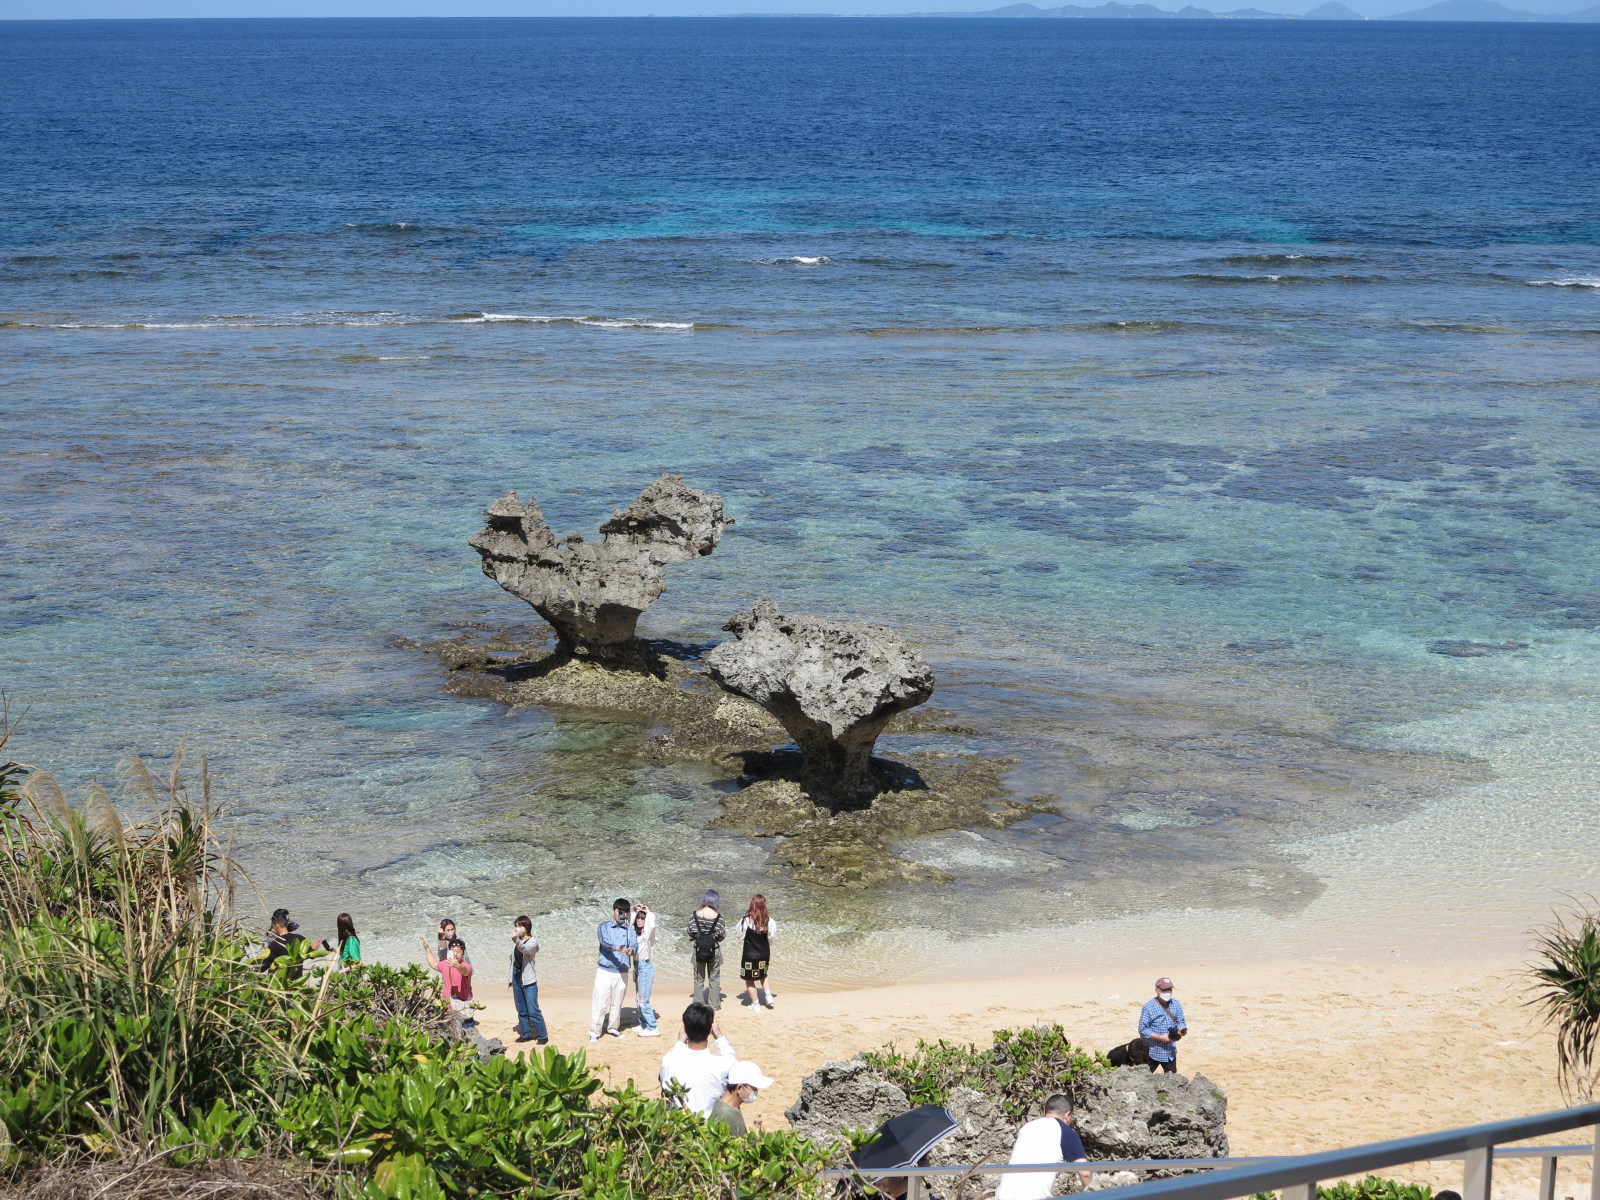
(1296,1176)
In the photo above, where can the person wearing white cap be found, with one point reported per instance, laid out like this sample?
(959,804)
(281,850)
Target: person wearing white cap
(1161,1024)
(745,1082)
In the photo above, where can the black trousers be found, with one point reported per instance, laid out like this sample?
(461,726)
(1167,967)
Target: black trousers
(1170,1068)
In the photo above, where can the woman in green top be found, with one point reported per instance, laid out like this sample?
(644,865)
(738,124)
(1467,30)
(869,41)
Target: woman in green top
(349,943)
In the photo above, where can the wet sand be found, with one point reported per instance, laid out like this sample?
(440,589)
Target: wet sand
(1312,1055)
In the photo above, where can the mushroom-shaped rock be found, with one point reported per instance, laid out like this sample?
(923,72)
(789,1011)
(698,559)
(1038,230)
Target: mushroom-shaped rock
(833,686)
(593,593)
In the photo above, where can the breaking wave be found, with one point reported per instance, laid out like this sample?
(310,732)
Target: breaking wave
(363,319)
(1572,281)
(793,260)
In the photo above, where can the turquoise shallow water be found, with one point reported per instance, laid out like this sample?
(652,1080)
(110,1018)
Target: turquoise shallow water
(1178,442)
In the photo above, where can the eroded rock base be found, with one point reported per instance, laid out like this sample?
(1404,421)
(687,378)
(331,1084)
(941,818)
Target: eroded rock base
(927,793)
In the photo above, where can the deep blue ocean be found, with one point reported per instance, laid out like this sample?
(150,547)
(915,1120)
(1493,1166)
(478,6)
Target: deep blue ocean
(1186,391)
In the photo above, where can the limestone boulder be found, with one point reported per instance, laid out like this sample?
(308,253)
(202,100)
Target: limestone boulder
(1131,1113)
(833,686)
(593,593)
(1121,1114)
(839,1096)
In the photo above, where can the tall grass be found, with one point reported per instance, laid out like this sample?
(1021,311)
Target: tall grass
(132,1013)
(140,1036)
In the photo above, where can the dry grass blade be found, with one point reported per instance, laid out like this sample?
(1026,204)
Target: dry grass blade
(102,813)
(224,1179)
(47,799)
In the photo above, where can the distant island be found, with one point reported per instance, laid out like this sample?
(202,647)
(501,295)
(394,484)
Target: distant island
(1446,10)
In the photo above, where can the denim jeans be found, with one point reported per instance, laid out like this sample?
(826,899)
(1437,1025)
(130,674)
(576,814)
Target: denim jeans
(644,978)
(530,1021)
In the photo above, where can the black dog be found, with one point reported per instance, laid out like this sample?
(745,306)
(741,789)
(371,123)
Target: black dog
(1134,1054)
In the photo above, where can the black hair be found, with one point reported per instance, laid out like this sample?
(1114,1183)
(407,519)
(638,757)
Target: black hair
(280,916)
(346,928)
(697,1022)
(524,922)
(621,906)
(1058,1105)
(453,943)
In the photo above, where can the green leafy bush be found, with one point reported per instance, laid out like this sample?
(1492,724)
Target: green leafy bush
(137,1027)
(130,1010)
(1371,1188)
(427,1122)
(1022,1068)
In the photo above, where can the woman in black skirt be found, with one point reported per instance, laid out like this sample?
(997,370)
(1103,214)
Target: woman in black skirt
(756,928)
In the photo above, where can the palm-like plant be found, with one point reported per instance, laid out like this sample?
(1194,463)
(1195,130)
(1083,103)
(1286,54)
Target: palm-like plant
(1566,990)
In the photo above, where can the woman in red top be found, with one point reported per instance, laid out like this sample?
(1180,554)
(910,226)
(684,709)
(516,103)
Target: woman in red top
(455,975)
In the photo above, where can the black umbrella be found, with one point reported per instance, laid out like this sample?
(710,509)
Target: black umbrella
(903,1140)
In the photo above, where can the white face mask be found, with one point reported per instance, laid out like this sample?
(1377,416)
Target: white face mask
(1165,995)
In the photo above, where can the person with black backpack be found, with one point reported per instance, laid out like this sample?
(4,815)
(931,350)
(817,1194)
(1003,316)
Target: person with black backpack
(706,931)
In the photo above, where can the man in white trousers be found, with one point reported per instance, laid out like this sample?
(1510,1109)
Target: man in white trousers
(618,946)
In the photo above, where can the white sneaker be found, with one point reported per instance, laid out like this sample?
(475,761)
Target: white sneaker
(594,1037)
(649,1033)
(614,1032)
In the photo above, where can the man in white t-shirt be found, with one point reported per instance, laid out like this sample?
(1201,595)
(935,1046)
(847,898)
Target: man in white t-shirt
(1049,1139)
(691,1065)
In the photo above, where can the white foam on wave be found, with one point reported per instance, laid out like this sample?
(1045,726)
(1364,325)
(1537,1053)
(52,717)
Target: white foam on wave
(291,321)
(1573,281)
(364,320)
(589,322)
(793,260)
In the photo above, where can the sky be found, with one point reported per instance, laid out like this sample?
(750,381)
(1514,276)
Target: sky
(61,9)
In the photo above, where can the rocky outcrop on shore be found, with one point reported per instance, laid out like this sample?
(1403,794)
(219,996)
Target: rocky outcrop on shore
(832,686)
(833,809)
(593,594)
(1126,1113)
(928,792)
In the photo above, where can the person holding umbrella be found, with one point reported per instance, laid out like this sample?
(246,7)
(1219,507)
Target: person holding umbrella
(904,1141)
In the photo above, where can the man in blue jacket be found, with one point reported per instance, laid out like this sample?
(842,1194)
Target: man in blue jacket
(618,945)
(1161,1024)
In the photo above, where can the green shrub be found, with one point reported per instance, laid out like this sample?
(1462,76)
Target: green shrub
(130,1011)
(1020,1070)
(136,1026)
(426,1121)
(1370,1188)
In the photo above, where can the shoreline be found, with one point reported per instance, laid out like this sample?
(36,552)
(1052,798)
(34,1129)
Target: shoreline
(1311,1054)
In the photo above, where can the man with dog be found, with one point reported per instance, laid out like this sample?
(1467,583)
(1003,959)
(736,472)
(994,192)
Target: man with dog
(1161,1024)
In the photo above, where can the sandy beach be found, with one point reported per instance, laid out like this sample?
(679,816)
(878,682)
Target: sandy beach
(1312,1055)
